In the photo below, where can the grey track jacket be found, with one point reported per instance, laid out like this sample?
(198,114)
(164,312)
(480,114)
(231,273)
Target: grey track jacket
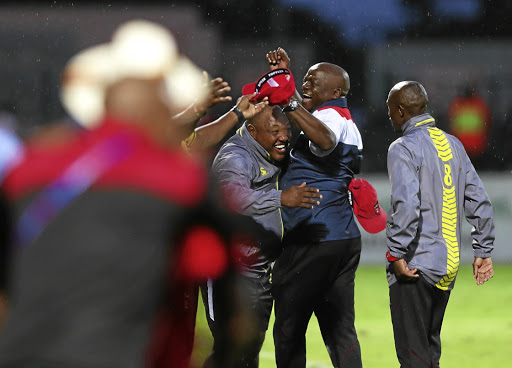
(433,185)
(245,173)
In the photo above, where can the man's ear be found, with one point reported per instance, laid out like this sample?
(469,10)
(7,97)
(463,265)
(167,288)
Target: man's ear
(401,111)
(252,130)
(336,93)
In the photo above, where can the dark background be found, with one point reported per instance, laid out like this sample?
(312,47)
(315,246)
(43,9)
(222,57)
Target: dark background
(446,45)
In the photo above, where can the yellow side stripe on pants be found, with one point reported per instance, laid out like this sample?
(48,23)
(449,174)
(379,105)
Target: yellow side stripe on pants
(449,212)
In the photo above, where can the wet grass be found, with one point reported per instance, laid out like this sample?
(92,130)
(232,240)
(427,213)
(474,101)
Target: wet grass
(477,329)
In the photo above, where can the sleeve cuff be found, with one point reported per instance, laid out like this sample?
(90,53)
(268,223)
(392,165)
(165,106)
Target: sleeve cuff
(390,258)
(482,254)
(278,198)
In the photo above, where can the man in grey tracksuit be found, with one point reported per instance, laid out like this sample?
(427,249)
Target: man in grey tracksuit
(433,186)
(247,171)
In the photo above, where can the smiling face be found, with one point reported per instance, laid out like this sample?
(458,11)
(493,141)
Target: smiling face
(271,130)
(323,82)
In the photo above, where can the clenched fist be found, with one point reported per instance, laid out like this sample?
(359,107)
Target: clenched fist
(278,59)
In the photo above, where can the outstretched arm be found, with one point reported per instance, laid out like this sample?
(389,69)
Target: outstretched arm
(209,135)
(313,128)
(187,120)
(279,59)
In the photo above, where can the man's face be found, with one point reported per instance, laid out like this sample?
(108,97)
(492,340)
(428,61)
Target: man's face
(394,113)
(317,88)
(273,134)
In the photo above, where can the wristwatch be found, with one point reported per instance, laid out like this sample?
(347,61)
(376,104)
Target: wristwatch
(292,105)
(239,114)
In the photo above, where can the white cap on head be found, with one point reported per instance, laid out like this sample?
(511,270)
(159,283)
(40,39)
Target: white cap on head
(139,49)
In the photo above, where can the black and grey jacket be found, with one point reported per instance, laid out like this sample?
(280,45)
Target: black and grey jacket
(433,187)
(246,173)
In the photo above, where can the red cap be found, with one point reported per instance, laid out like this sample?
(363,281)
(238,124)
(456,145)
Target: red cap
(277,84)
(369,213)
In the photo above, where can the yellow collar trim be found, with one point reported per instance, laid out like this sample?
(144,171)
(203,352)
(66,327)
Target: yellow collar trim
(424,122)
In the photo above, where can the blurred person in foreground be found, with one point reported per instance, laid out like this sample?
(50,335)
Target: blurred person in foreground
(247,168)
(433,187)
(11,152)
(176,334)
(316,270)
(105,223)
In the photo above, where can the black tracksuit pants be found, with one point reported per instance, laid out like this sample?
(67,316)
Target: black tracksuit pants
(255,298)
(316,278)
(417,311)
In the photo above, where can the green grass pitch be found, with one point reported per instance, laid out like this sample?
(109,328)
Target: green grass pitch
(477,329)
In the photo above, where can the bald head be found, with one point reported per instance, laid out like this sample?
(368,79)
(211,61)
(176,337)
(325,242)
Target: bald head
(337,77)
(406,100)
(412,96)
(324,82)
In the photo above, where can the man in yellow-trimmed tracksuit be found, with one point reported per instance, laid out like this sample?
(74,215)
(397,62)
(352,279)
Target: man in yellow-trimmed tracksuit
(433,187)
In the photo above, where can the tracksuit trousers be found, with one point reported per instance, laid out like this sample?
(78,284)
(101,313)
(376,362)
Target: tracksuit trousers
(417,311)
(256,299)
(316,278)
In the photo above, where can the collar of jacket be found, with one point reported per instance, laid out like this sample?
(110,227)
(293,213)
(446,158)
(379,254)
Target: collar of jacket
(340,102)
(252,144)
(423,120)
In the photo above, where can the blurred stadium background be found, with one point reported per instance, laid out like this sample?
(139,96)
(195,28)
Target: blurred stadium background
(446,45)
(449,46)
